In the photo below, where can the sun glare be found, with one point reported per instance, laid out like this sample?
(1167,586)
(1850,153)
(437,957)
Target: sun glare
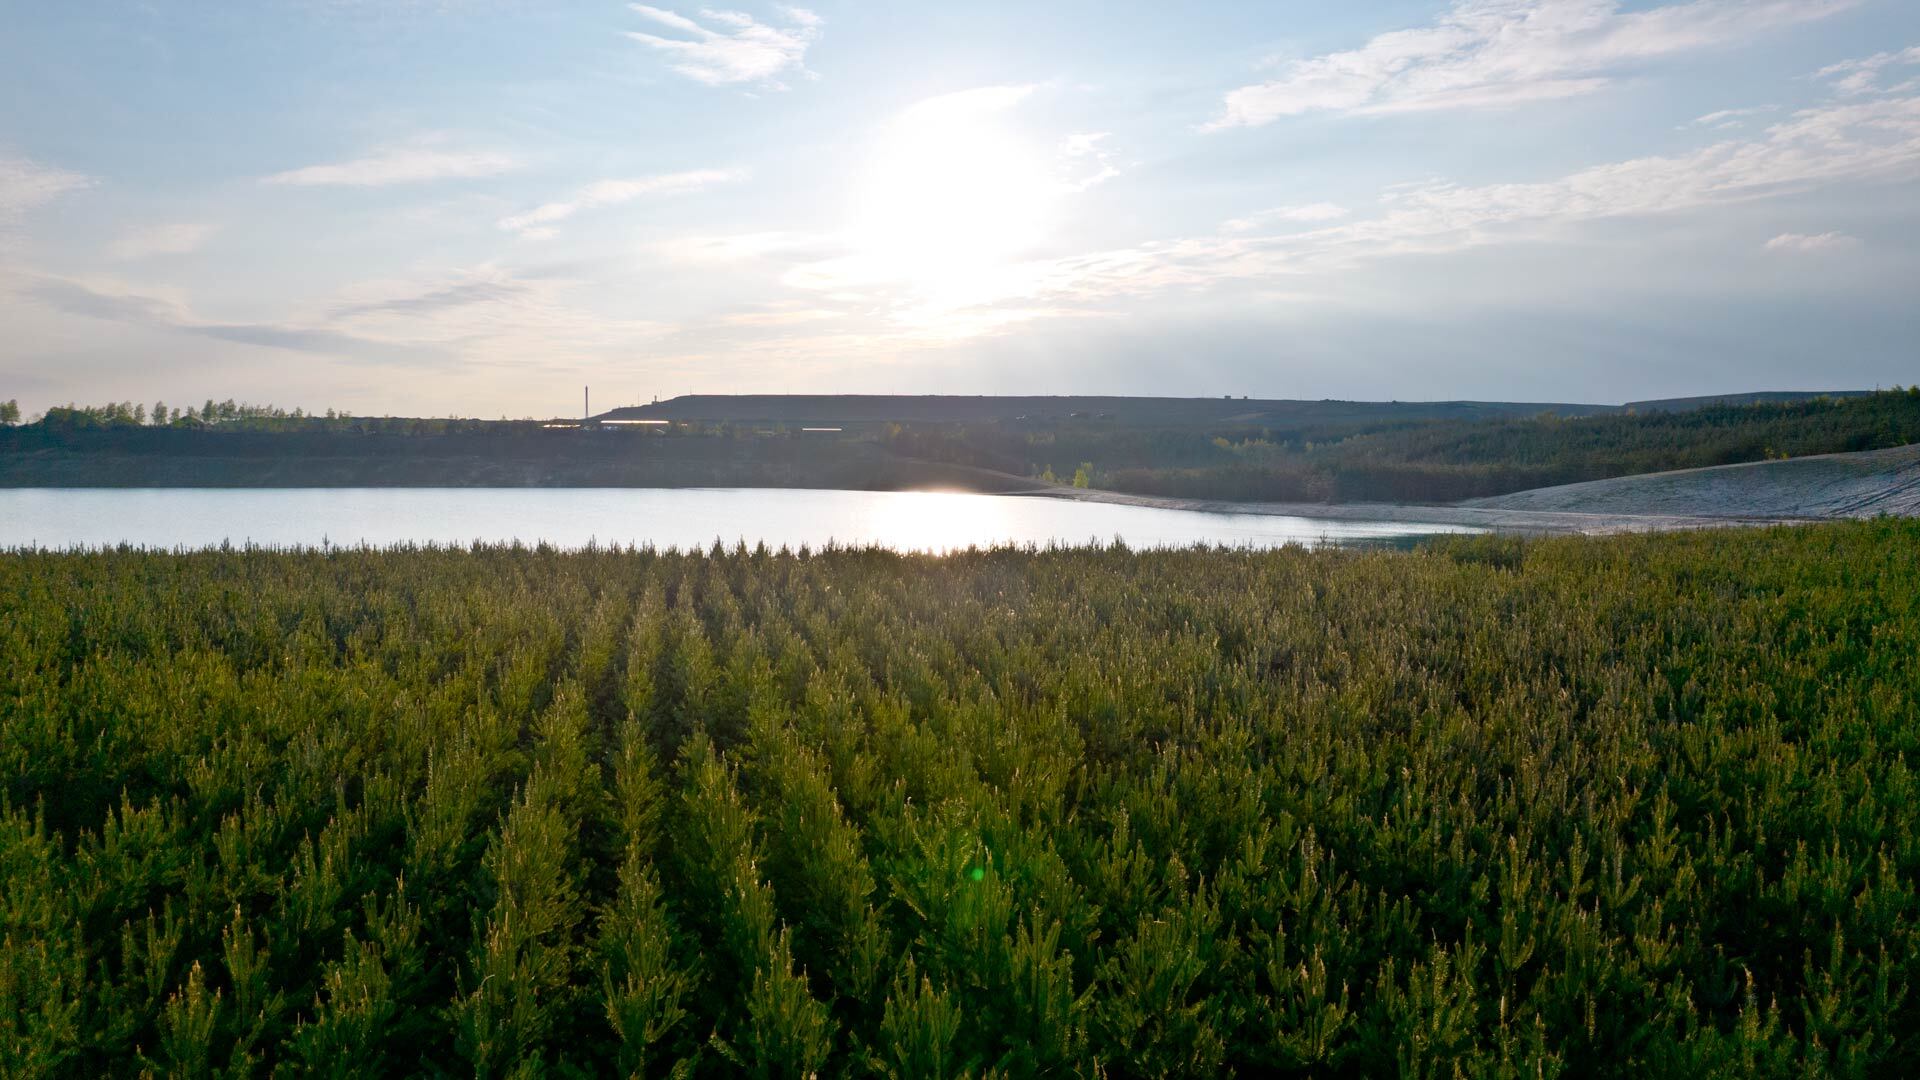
(937,521)
(952,191)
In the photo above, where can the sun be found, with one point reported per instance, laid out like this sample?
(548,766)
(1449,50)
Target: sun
(952,191)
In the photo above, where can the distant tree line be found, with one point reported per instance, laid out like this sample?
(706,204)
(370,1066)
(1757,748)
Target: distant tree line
(1420,461)
(136,414)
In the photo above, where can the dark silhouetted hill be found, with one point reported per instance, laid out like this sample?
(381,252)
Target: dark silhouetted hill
(1129,411)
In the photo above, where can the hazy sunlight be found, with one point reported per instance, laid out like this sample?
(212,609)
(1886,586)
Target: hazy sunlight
(952,192)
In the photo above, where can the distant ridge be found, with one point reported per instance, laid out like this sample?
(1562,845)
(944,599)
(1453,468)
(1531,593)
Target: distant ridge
(942,408)
(1764,397)
(861,409)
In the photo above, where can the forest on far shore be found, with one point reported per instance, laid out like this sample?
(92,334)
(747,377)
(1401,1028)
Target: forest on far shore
(1308,452)
(1420,461)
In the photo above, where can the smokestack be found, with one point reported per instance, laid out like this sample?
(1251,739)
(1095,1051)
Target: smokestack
(586,402)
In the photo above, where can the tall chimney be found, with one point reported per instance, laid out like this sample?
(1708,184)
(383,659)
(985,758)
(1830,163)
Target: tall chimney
(586,402)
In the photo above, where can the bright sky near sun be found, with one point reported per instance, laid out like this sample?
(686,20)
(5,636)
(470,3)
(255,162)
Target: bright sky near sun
(475,207)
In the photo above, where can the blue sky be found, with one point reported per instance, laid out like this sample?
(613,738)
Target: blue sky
(476,206)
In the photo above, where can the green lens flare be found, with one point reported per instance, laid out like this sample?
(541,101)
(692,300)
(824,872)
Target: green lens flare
(977,873)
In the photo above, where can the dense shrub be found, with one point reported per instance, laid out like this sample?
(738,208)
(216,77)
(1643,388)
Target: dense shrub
(1628,807)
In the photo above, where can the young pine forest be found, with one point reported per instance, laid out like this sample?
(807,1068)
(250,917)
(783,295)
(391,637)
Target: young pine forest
(1628,807)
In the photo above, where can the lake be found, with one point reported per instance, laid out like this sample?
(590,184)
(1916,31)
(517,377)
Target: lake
(169,518)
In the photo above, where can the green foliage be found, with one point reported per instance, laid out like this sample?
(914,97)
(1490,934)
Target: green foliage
(1637,806)
(918,1029)
(1345,458)
(643,982)
(356,1012)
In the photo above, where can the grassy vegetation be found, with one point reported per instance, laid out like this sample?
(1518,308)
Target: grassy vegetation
(1627,807)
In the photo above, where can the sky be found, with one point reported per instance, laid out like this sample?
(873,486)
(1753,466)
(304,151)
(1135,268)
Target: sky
(478,207)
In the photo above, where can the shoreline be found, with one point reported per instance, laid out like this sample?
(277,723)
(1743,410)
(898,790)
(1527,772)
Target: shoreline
(1491,519)
(1787,491)
(1806,490)
(1523,522)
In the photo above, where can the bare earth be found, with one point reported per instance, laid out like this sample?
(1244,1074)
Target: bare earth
(1817,488)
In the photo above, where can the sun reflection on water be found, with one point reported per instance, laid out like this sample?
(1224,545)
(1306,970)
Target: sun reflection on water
(937,521)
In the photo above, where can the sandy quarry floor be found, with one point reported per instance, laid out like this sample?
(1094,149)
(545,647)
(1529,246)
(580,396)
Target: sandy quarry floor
(1817,488)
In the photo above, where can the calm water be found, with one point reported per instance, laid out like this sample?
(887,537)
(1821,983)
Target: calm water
(681,518)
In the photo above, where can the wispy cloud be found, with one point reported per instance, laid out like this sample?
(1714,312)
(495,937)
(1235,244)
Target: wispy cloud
(1306,214)
(965,106)
(148,241)
(1486,53)
(1863,75)
(738,247)
(536,223)
(479,315)
(1814,244)
(726,48)
(781,315)
(1842,142)
(25,184)
(419,162)
(1728,119)
(114,301)
(416,301)
(1087,159)
(488,314)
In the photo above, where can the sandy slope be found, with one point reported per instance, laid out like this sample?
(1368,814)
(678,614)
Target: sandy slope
(1821,486)
(1801,489)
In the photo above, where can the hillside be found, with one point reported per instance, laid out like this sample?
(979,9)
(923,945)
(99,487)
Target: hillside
(1414,461)
(1127,411)
(1764,397)
(1139,411)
